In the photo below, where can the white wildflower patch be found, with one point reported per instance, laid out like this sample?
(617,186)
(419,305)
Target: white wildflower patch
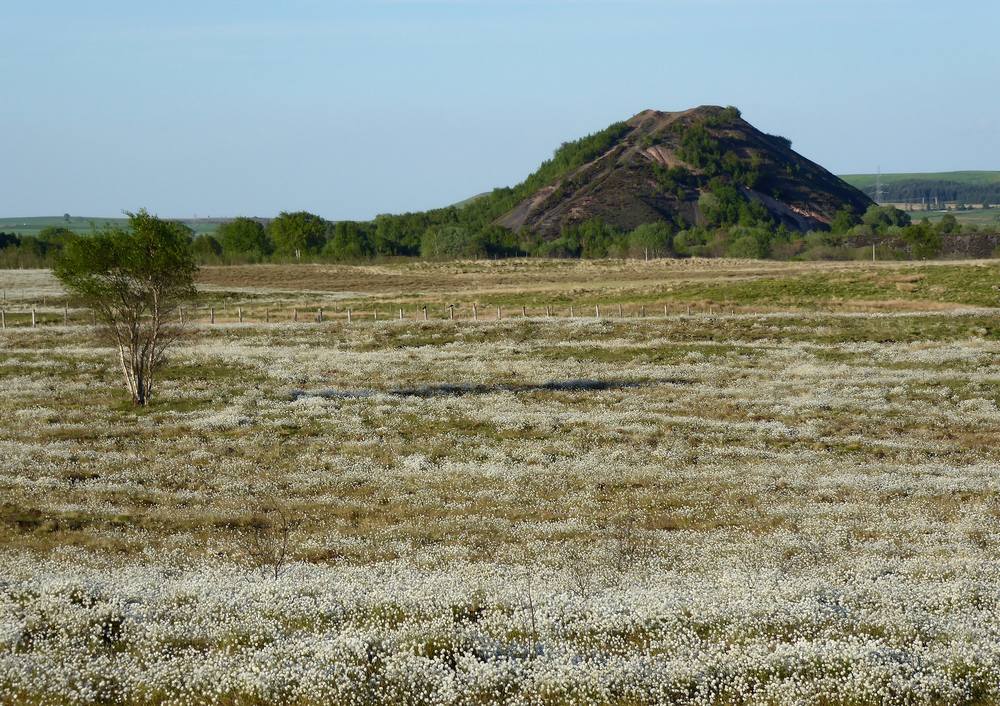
(773,509)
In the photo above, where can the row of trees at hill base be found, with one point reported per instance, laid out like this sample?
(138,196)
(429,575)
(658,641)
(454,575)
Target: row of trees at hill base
(735,227)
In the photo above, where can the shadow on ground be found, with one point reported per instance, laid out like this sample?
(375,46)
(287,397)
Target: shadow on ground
(450,390)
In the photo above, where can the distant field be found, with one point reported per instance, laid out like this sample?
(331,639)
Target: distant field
(556,285)
(980,216)
(33,225)
(969,178)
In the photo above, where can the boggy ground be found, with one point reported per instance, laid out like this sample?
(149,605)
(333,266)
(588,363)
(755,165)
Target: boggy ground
(794,507)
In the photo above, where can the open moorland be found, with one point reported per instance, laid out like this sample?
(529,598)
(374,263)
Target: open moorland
(755,482)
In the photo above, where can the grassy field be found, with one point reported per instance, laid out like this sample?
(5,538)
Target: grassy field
(793,503)
(537,286)
(977,216)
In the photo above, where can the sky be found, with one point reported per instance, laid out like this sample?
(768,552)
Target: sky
(353,108)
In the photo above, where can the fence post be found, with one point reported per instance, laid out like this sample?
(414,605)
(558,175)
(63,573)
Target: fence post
(400,313)
(475,313)
(295,314)
(597,311)
(267,316)
(33,322)
(180,315)
(239,313)
(451,312)
(689,310)
(425,312)
(547,314)
(212,312)
(349,318)
(65,315)
(664,309)
(620,311)
(374,314)
(499,313)
(319,315)
(524,313)
(642,312)
(93,317)
(572,315)
(3,319)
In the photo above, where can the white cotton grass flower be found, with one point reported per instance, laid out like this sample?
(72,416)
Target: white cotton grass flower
(762,514)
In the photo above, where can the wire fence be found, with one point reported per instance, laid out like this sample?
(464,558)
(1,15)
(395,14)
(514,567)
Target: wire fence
(21,316)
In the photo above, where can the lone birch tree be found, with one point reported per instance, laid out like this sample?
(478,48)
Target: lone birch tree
(134,279)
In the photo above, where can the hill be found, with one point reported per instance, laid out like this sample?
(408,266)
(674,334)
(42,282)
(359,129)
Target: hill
(681,167)
(976,187)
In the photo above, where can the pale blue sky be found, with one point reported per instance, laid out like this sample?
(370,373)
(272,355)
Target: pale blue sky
(349,109)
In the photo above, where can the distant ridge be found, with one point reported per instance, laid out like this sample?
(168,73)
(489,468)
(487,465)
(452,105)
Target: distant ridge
(972,187)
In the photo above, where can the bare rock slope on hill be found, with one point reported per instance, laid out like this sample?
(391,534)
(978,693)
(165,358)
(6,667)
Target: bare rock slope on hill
(663,166)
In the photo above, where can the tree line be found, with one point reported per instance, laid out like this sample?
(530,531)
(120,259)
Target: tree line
(733,226)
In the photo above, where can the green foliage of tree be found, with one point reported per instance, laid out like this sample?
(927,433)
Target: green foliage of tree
(399,234)
(923,239)
(700,149)
(749,242)
(844,220)
(724,205)
(948,225)
(449,242)
(245,237)
(652,239)
(881,217)
(497,241)
(591,239)
(350,240)
(49,241)
(301,232)
(691,242)
(206,248)
(675,180)
(134,279)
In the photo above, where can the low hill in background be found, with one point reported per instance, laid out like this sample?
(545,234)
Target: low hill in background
(660,166)
(935,189)
(33,225)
